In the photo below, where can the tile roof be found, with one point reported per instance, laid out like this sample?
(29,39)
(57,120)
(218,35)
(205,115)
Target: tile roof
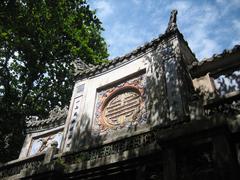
(57,117)
(172,29)
(215,65)
(92,70)
(215,57)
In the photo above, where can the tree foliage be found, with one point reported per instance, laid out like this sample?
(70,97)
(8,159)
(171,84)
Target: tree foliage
(39,40)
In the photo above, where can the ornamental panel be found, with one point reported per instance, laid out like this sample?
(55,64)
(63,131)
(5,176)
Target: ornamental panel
(42,143)
(121,106)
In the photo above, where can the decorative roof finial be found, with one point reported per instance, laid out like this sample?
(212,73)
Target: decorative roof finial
(172,24)
(80,66)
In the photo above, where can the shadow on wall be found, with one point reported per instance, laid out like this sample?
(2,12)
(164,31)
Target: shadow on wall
(228,82)
(223,103)
(166,96)
(84,137)
(156,101)
(168,86)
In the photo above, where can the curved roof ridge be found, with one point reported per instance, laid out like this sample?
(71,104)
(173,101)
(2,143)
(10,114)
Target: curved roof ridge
(56,118)
(214,57)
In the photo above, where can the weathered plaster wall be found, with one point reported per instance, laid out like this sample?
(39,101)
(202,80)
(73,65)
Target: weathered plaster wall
(204,84)
(85,120)
(164,74)
(29,137)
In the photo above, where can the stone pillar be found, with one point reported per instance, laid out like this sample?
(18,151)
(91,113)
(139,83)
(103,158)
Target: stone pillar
(169,164)
(225,163)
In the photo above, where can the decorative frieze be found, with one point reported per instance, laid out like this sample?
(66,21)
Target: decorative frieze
(113,148)
(15,168)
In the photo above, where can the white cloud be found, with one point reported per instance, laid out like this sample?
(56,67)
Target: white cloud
(236,24)
(181,6)
(103,7)
(236,28)
(136,2)
(232,3)
(205,47)
(123,38)
(196,23)
(208,26)
(235,42)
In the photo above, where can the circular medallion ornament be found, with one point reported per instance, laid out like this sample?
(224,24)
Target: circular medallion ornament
(121,106)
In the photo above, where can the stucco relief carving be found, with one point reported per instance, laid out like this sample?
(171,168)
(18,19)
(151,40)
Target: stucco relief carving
(121,106)
(41,144)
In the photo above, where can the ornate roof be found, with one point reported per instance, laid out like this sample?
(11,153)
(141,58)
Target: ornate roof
(57,117)
(84,70)
(215,57)
(172,24)
(217,62)
(89,71)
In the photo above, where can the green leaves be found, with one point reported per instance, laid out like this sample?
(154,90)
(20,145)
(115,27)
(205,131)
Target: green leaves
(39,40)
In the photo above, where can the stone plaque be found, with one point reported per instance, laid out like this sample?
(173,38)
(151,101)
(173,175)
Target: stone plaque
(121,106)
(125,106)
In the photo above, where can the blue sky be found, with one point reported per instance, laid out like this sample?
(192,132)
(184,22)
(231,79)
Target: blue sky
(209,26)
